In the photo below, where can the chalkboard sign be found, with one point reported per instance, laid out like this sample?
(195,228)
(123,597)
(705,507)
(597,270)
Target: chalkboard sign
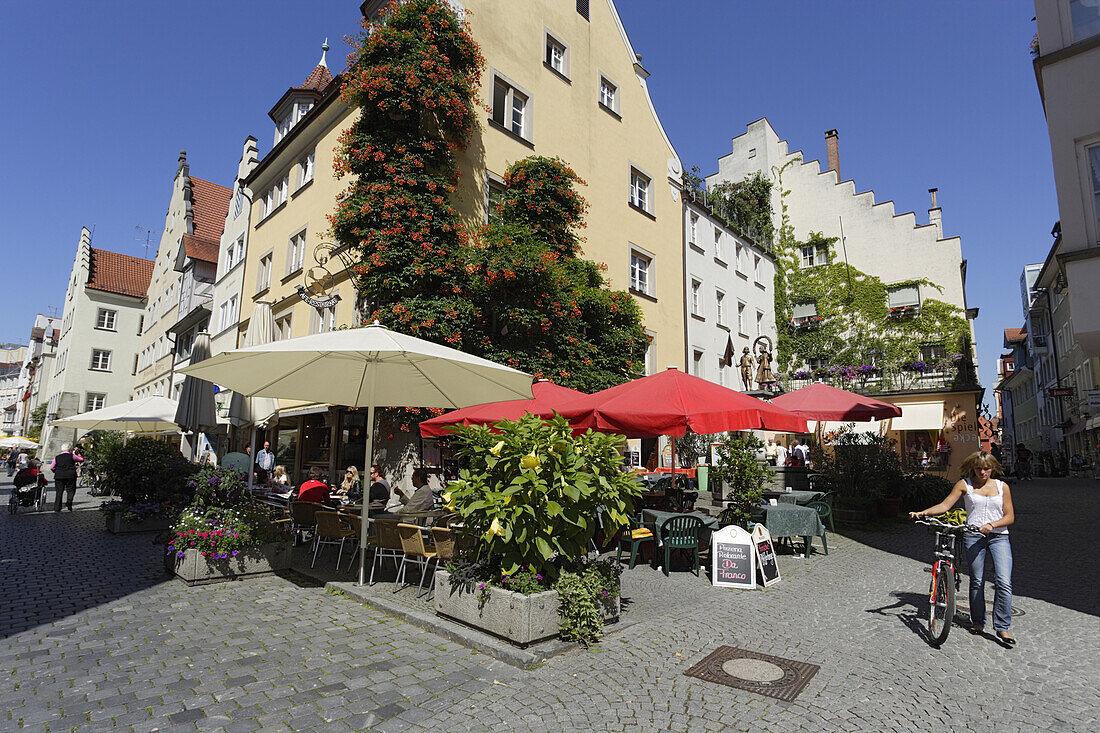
(734,558)
(765,555)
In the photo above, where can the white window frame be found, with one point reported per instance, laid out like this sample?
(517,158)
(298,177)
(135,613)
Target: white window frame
(322,320)
(651,353)
(800,311)
(101,360)
(305,169)
(283,326)
(555,54)
(641,188)
(608,92)
(94,401)
(641,271)
(719,307)
(756,268)
(697,356)
(806,257)
(234,254)
(696,298)
(296,251)
(723,376)
(515,115)
(106,319)
(741,318)
(263,272)
(739,258)
(759,323)
(493,183)
(693,226)
(718,253)
(894,297)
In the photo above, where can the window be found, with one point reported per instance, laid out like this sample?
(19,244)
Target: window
(238,203)
(739,258)
(812,256)
(105,319)
(263,273)
(1094,179)
(510,108)
(282,327)
(234,253)
(696,304)
(759,324)
(94,401)
(322,320)
(752,152)
(740,317)
(135,364)
(822,255)
(722,378)
(651,353)
(1085,17)
(305,170)
(801,311)
(639,272)
(101,360)
(807,257)
(697,364)
(609,95)
(274,197)
(494,197)
(905,296)
(692,227)
(720,307)
(141,323)
(931,352)
(557,55)
(639,190)
(227,313)
(296,252)
(756,268)
(718,244)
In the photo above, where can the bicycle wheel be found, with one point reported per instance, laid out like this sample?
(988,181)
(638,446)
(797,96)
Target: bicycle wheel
(941,604)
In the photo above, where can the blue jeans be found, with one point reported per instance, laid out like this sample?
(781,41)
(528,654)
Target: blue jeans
(997,546)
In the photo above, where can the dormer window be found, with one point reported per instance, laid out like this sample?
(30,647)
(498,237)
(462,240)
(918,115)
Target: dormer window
(293,110)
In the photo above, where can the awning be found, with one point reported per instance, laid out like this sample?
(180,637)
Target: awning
(919,416)
(294,408)
(873,426)
(1077,427)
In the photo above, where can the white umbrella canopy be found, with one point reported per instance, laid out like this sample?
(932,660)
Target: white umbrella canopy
(17,441)
(258,411)
(148,415)
(365,367)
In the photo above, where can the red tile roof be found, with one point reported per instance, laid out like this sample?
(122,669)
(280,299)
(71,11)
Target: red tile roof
(318,79)
(118,273)
(209,207)
(201,248)
(1014,335)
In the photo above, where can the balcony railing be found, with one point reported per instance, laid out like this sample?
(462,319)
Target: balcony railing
(915,376)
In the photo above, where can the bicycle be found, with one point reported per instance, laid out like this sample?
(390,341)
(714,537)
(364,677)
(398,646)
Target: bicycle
(944,586)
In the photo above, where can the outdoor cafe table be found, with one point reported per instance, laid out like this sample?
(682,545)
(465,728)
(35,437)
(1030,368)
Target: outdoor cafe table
(802,498)
(789,520)
(659,518)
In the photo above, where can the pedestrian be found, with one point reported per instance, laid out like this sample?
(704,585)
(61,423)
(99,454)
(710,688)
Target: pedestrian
(21,461)
(13,457)
(988,504)
(64,477)
(769,452)
(265,459)
(780,454)
(802,450)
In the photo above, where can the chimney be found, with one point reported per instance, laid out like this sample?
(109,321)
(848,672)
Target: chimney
(832,152)
(935,214)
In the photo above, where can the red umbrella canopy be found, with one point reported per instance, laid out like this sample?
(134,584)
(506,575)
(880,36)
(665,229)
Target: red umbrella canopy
(670,402)
(819,401)
(547,397)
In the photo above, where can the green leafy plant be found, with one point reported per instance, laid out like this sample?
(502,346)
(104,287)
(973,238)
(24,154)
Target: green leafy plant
(920,490)
(35,421)
(530,492)
(738,468)
(583,596)
(218,486)
(99,450)
(221,533)
(860,467)
(147,471)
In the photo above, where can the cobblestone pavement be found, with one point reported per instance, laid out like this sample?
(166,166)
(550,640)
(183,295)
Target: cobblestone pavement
(93,636)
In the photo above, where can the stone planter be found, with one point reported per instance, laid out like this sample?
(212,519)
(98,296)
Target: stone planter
(194,569)
(117,524)
(517,618)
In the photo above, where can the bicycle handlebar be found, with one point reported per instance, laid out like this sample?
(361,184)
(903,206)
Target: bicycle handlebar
(932,522)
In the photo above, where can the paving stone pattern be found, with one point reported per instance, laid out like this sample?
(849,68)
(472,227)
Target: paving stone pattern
(95,636)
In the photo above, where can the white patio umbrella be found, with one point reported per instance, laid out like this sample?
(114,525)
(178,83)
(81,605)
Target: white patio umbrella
(255,411)
(148,415)
(17,441)
(365,367)
(196,406)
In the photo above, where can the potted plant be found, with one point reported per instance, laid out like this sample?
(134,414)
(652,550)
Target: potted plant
(861,468)
(738,468)
(224,534)
(528,500)
(150,479)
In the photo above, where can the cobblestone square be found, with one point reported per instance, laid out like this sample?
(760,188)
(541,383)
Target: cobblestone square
(97,637)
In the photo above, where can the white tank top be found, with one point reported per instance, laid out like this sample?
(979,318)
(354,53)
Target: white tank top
(985,509)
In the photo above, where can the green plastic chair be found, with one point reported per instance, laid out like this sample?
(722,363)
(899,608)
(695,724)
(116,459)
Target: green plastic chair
(682,533)
(824,509)
(635,534)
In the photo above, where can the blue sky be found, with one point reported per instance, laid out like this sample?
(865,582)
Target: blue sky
(103,96)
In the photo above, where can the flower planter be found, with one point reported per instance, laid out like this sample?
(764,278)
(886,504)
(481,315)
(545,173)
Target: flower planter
(512,616)
(118,524)
(850,516)
(194,569)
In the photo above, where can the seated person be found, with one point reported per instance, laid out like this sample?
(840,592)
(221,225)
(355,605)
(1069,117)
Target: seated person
(420,499)
(29,475)
(281,479)
(314,490)
(350,489)
(379,490)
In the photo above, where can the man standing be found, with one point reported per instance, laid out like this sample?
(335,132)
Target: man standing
(780,454)
(64,477)
(265,459)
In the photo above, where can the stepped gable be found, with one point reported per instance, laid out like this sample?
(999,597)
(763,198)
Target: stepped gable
(201,248)
(112,272)
(209,207)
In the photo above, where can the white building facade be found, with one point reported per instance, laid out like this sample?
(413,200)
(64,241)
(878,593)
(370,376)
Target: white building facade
(100,333)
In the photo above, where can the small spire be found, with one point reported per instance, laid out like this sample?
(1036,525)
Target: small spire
(324,51)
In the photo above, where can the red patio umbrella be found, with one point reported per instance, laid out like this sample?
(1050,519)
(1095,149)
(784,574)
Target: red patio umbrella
(819,401)
(547,397)
(670,402)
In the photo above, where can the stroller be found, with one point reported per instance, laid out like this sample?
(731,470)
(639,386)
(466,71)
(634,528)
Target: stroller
(29,491)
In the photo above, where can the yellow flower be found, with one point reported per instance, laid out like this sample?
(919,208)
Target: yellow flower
(495,450)
(529,461)
(495,527)
(446,496)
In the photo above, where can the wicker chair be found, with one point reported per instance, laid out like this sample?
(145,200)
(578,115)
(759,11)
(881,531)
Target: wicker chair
(412,543)
(387,543)
(332,529)
(303,518)
(446,544)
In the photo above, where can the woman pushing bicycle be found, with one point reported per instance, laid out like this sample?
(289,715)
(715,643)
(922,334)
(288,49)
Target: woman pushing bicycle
(989,507)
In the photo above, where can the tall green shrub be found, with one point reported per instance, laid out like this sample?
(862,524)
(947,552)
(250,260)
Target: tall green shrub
(738,468)
(148,471)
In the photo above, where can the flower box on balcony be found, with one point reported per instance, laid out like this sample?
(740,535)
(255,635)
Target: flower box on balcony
(904,311)
(805,323)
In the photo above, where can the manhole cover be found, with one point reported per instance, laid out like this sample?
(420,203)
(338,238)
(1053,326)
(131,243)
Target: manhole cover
(763,674)
(754,670)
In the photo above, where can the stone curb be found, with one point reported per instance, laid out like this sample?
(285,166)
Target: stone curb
(464,635)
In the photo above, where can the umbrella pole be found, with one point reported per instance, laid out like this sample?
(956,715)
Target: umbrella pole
(365,515)
(251,453)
